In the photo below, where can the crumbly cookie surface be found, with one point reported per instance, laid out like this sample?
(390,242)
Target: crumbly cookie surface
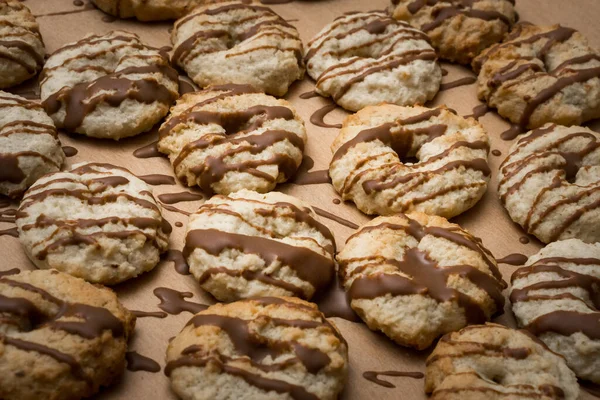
(264,348)
(249,244)
(21,44)
(415,277)
(108,86)
(235,42)
(60,337)
(389,159)
(556,297)
(29,144)
(459,31)
(550,183)
(229,137)
(97,222)
(368,58)
(495,362)
(541,74)
(148,10)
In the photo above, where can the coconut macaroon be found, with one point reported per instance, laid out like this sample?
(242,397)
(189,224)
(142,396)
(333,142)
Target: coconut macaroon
(230,137)
(367,58)
(98,222)
(389,159)
(268,347)
(108,86)
(495,362)
(249,244)
(556,297)
(415,277)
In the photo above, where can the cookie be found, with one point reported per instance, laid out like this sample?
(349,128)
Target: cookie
(236,42)
(250,244)
(21,46)
(556,297)
(229,137)
(98,222)
(415,277)
(459,30)
(495,362)
(29,144)
(367,58)
(108,86)
(264,348)
(60,337)
(541,74)
(148,10)
(389,159)
(550,183)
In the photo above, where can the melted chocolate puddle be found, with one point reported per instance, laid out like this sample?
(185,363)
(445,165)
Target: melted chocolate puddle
(157,179)
(513,259)
(138,362)
(334,302)
(469,80)
(317,118)
(479,111)
(177,257)
(512,132)
(145,314)
(174,302)
(148,151)
(373,376)
(173,198)
(69,151)
(336,218)
(10,232)
(9,272)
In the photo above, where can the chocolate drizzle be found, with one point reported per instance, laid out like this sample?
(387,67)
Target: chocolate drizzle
(373,376)
(148,151)
(10,232)
(145,314)
(157,179)
(249,344)
(173,198)
(425,276)
(513,259)
(479,111)
(336,218)
(138,362)
(317,118)
(175,302)
(469,80)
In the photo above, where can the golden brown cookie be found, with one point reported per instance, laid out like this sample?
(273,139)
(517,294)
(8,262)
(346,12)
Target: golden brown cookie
(60,337)
(21,46)
(389,159)
(415,277)
(149,10)
(264,348)
(495,362)
(540,74)
(459,30)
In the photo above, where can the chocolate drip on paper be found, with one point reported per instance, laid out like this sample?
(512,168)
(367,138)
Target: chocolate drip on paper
(373,376)
(174,198)
(69,151)
(148,151)
(181,265)
(336,218)
(157,179)
(317,118)
(478,111)
(145,314)
(334,302)
(174,302)
(13,271)
(469,80)
(138,362)
(10,232)
(513,259)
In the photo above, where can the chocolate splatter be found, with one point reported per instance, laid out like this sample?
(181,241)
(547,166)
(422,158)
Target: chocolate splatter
(174,302)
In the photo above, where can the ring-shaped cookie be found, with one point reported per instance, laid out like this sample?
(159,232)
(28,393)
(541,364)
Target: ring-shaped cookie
(368,58)
(540,74)
(108,86)
(389,159)
(60,337)
(550,183)
(229,137)
(236,42)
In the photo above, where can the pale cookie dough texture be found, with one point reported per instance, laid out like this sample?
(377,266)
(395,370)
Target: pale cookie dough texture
(21,46)
(108,86)
(550,183)
(389,159)
(368,58)
(235,42)
(97,222)
(148,10)
(541,74)
(415,277)
(29,144)
(264,348)
(556,296)
(60,337)
(250,244)
(229,137)
(459,30)
(495,362)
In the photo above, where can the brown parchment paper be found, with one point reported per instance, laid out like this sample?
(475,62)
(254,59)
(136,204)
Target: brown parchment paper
(62,21)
